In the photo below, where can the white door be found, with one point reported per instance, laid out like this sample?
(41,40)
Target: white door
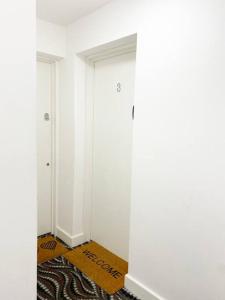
(44,147)
(112,149)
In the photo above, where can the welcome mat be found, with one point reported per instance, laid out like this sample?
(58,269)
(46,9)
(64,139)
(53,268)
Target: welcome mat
(48,248)
(105,268)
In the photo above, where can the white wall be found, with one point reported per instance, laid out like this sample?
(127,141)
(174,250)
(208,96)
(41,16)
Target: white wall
(17,151)
(51,39)
(177,246)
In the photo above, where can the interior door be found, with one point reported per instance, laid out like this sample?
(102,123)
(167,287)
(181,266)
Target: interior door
(44,147)
(112,149)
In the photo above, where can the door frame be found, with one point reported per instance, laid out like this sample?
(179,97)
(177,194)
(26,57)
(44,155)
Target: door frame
(87,60)
(54,134)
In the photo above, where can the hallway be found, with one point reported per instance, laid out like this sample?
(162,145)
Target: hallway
(112,123)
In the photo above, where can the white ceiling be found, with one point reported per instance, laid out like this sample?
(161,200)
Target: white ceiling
(64,12)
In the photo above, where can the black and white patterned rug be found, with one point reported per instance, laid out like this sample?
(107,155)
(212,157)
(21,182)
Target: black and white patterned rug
(57,279)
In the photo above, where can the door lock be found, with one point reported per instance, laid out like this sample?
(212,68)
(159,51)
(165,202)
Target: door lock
(118,87)
(46,117)
(48,164)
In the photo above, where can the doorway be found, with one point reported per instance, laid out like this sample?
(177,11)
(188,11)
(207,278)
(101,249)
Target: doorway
(112,150)
(45,146)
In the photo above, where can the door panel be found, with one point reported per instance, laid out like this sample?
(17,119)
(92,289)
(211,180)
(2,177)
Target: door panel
(112,148)
(44,147)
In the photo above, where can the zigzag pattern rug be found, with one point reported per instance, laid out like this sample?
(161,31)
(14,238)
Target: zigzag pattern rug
(57,279)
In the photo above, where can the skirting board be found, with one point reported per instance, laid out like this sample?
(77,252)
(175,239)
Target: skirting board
(139,290)
(71,241)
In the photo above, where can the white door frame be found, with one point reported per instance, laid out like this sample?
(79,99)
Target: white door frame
(54,136)
(89,58)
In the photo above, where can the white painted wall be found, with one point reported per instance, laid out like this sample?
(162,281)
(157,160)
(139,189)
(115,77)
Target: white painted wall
(18,151)
(51,39)
(177,246)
